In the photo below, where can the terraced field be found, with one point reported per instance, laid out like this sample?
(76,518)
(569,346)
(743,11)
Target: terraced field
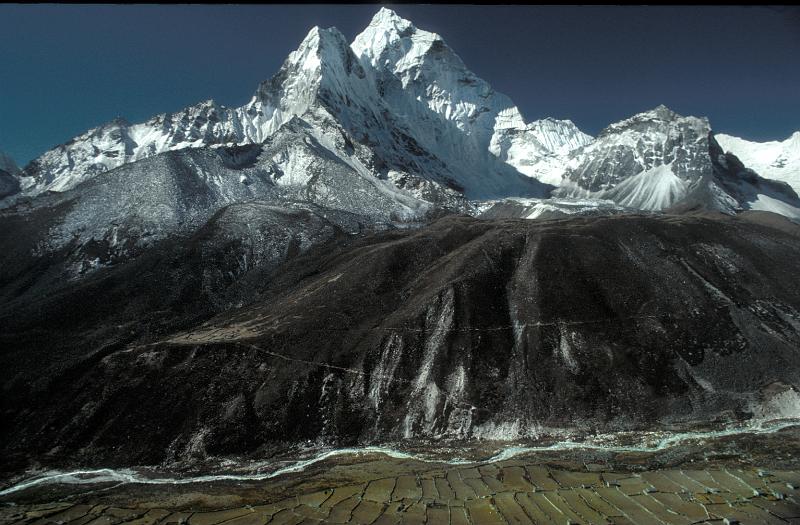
(509,492)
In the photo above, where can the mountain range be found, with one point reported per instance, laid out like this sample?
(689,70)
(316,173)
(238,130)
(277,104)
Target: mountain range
(340,261)
(400,107)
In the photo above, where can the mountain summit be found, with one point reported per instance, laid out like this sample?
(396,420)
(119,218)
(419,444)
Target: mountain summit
(657,160)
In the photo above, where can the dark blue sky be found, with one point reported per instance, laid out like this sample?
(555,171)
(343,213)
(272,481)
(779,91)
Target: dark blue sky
(66,68)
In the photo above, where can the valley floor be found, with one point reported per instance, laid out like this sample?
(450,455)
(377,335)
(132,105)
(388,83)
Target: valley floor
(741,479)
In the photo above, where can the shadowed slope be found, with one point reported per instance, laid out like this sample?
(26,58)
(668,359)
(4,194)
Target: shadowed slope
(463,329)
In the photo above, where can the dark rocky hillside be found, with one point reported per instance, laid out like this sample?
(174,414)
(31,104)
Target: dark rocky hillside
(466,328)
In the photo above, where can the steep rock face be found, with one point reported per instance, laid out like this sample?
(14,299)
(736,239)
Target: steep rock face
(666,151)
(640,143)
(778,160)
(463,329)
(9,176)
(658,159)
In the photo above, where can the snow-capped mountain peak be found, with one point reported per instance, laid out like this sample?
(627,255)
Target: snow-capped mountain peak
(427,68)
(660,117)
(658,160)
(321,55)
(318,48)
(559,136)
(661,112)
(388,21)
(388,38)
(385,17)
(779,160)
(464,120)
(414,111)
(638,145)
(398,89)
